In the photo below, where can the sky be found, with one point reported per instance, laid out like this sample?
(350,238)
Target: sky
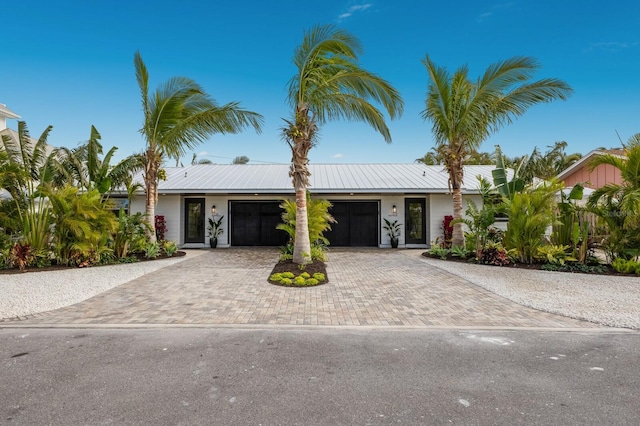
(70,64)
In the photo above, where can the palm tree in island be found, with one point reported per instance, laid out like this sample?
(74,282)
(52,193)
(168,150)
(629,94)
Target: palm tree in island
(464,112)
(329,85)
(177,117)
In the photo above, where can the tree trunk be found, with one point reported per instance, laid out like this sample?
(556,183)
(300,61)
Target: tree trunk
(458,234)
(302,245)
(151,183)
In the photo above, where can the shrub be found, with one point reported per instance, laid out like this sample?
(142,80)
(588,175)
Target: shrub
(305,275)
(128,259)
(555,254)
(436,250)
(285,281)
(311,282)
(319,276)
(494,254)
(275,277)
(288,274)
(447,231)
(21,255)
(161,227)
(298,280)
(626,266)
(152,250)
(169,248)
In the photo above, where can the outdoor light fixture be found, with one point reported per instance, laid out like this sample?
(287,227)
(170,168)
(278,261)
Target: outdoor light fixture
(394,209)
(213,209)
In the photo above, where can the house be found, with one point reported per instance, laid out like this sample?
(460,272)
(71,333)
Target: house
(579,172)
(249,195)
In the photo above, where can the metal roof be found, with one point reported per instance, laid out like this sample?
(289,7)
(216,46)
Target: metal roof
(325,178)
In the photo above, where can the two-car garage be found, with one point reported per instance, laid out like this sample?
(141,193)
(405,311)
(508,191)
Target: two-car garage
(253,223)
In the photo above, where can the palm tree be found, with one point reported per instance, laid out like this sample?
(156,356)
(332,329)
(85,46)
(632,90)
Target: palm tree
(177,117)
(84,168)
(619,204)
(329,84)
(464,113)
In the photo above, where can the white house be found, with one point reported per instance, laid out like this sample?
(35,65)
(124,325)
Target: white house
(248,196)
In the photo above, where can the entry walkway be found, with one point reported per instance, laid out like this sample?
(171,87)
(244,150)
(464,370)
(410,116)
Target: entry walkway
(369,287)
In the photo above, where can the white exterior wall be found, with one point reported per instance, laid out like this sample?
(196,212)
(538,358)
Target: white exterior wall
(442,205)
(436,207)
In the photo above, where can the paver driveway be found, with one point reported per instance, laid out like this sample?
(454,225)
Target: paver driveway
(367,287)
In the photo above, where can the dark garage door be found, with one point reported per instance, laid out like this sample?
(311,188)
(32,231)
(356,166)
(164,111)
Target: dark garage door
(357,224)
(254,224)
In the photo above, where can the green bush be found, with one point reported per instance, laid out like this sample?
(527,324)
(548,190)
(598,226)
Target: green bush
(626,266)
(305,275)
(311,282)
(288,274)
(436,250)
(275,277)
(298,280)
(319,276)
(169,248)
(152,250)
(555,254)
(285,281)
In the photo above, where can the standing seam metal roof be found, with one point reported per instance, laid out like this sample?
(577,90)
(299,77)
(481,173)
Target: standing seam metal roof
(325,178)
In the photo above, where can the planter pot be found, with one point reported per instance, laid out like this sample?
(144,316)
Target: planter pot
(394,242)
(213,242)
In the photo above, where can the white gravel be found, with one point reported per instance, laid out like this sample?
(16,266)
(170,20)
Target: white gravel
(33,292)
(602,299)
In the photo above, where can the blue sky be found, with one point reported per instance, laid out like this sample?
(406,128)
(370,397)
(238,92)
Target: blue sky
(70,64)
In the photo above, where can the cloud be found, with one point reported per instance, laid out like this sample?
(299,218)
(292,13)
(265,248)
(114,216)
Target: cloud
(611,46)
(483,16)
(201,153)
(353,9)
(338,155)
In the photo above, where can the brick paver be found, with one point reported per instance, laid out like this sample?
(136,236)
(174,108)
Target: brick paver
(371,287)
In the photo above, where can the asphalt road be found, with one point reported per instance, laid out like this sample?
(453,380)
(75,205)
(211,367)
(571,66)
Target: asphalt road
(325,376)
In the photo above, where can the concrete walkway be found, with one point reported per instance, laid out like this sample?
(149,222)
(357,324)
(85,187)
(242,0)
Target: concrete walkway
(369,287)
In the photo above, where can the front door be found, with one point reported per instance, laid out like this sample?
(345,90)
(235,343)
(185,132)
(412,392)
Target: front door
(415,223)
(194,220)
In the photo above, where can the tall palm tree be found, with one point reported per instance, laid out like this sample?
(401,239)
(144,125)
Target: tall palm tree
(619,204)
(464,112)
(329,85)
(177,117)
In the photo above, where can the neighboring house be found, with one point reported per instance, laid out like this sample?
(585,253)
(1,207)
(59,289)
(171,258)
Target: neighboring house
(248,196)
(579,172)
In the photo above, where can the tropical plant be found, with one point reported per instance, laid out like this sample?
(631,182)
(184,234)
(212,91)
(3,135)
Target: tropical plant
(393,231)
(131,234)
(547,165)
(176,118)
(25,166)
(530,214)
(84,168)
(170,248)
(82,225)
(161,227)
(318,221)
(501,181)
(569,228)
(215,227)
(242,159)
(479,220)
(618,205)
(555,254)
(437,250)
(464,113)
(329,85)
(494,254)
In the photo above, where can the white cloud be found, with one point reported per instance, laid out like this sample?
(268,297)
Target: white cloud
(352,9)
(484,16)
(201,153)
(338,155)
(611,46)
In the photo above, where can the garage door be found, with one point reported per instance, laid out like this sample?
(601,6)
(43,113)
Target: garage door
(357,224)
(254,224)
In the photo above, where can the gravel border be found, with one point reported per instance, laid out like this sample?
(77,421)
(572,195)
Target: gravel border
(36,292)
(602,299)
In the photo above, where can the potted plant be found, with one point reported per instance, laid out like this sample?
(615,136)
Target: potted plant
(393,231)
(215,230)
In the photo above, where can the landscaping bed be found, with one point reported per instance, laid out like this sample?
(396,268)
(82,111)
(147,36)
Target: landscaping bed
(311,269)
(131,259)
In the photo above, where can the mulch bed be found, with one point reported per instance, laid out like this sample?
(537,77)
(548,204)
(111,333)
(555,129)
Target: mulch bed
(289,266)
(608,270)
(141,258)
